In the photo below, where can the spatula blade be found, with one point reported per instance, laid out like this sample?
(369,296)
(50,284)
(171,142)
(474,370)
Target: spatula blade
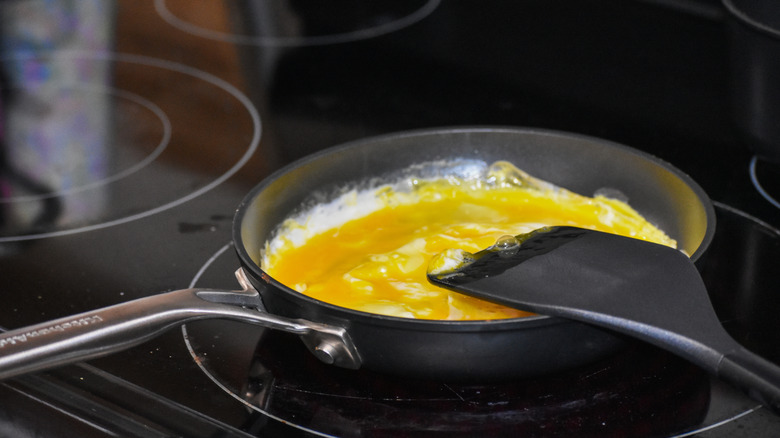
(647,290)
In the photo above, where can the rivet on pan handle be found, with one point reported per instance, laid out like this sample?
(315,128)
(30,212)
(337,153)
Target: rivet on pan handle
(330,344)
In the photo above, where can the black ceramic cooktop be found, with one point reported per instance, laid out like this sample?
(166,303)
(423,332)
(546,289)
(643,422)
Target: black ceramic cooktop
(131,130)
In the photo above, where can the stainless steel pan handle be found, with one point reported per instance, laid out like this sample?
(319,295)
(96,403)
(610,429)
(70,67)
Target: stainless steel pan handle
(111,329)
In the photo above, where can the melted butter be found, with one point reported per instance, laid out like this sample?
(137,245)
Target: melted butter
(377,261)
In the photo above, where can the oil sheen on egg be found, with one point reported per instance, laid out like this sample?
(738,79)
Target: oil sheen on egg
(369,250)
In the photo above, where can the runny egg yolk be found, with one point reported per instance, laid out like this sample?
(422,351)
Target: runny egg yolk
(377,262)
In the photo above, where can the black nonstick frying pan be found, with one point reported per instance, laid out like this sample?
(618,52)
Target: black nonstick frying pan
(448,350)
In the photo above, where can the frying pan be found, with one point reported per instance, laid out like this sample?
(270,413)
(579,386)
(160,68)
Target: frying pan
(444,350)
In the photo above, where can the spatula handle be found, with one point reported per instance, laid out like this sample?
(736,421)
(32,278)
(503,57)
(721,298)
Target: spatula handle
(757,377)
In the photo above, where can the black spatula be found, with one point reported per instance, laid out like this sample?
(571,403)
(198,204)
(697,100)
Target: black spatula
(648,291)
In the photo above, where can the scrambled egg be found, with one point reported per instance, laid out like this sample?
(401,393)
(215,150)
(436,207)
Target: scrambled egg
(369,250)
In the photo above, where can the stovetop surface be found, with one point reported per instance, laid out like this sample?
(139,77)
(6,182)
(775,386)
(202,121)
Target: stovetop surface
(132,130)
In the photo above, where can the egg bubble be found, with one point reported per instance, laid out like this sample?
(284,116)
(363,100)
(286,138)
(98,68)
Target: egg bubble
(507,246)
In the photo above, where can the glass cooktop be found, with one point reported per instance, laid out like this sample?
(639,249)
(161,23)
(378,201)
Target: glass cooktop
(131,130)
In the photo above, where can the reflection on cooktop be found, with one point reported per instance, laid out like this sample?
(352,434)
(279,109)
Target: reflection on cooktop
(78,156)
(640,391)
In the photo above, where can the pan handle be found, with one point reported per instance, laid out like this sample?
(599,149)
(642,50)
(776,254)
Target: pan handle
(111,329)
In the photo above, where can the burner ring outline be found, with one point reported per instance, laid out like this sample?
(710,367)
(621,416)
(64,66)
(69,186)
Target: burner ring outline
(175,67)
(321,40)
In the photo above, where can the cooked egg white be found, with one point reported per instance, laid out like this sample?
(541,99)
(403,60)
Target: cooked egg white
(369,250)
